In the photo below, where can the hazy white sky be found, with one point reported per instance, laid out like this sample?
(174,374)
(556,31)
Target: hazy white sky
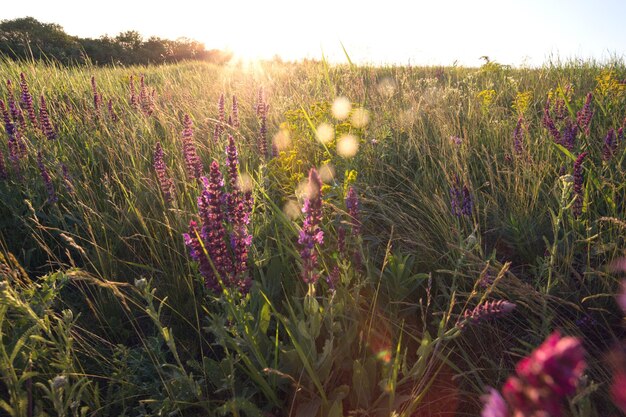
(388,31)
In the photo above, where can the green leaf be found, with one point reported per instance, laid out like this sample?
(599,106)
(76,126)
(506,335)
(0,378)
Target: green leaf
(336,410)
(264,320)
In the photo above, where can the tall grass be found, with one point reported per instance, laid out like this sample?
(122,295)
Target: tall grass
(108,286)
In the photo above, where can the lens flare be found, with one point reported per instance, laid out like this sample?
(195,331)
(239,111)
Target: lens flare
(282,140)
(347,146)
(325,133)
(292,209)
(360,118)
(245,183)
(341,108)
(327,172)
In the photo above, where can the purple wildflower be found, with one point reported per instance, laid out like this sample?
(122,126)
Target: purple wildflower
(235,122)
(560,110)
(27,101)
(165,182)
(263,135)
(609,145)
(620,134)
(311,233)
(221,113)
(17,145)
(52,198)
(133,93)
(232,162)
(14,156)
(568,135)
(332,279)
(112,113)
(46,124)
(192,161)
(213,233)
(97,98)
(542,380)
(618,390)
(197,252)
(485,311)
(341,240)
(495,406)
(546,376)
(584,115)
(240,241)
(577,208)
(548,123)
(456,140)
(468,202)
(456,197)
(16,111)
(67,179)
(8,124)
(260,102)
(146,100)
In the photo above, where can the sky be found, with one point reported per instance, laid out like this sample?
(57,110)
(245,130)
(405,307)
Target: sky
(417,32)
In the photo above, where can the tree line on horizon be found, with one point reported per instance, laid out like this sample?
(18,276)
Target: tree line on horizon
(27,38)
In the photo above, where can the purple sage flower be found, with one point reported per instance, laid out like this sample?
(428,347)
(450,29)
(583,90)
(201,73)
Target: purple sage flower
(112,113)
(568,135)
(44,117)
(263,135)
(260,102)
(456,140)
(221,112)
(165,182)
(146,100)
(68,183)
(8,124)
(97,98)
(311,233)
(27,101)
(610,145)
(16,111)
(584,115)
(52,198)
(548,123)
(133,93)
(213,232)
(577,208)
(235,111)
(46,124)
(485,311)
(192,161)
(542,380)
(468,202)
(618,390)
(495,406)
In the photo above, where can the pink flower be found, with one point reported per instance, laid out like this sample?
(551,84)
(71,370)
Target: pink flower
(495,406)
(618,390)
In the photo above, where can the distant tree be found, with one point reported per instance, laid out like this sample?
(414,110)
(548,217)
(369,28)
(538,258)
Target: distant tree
(26,37)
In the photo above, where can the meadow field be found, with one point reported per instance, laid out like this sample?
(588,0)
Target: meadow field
(282,239)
